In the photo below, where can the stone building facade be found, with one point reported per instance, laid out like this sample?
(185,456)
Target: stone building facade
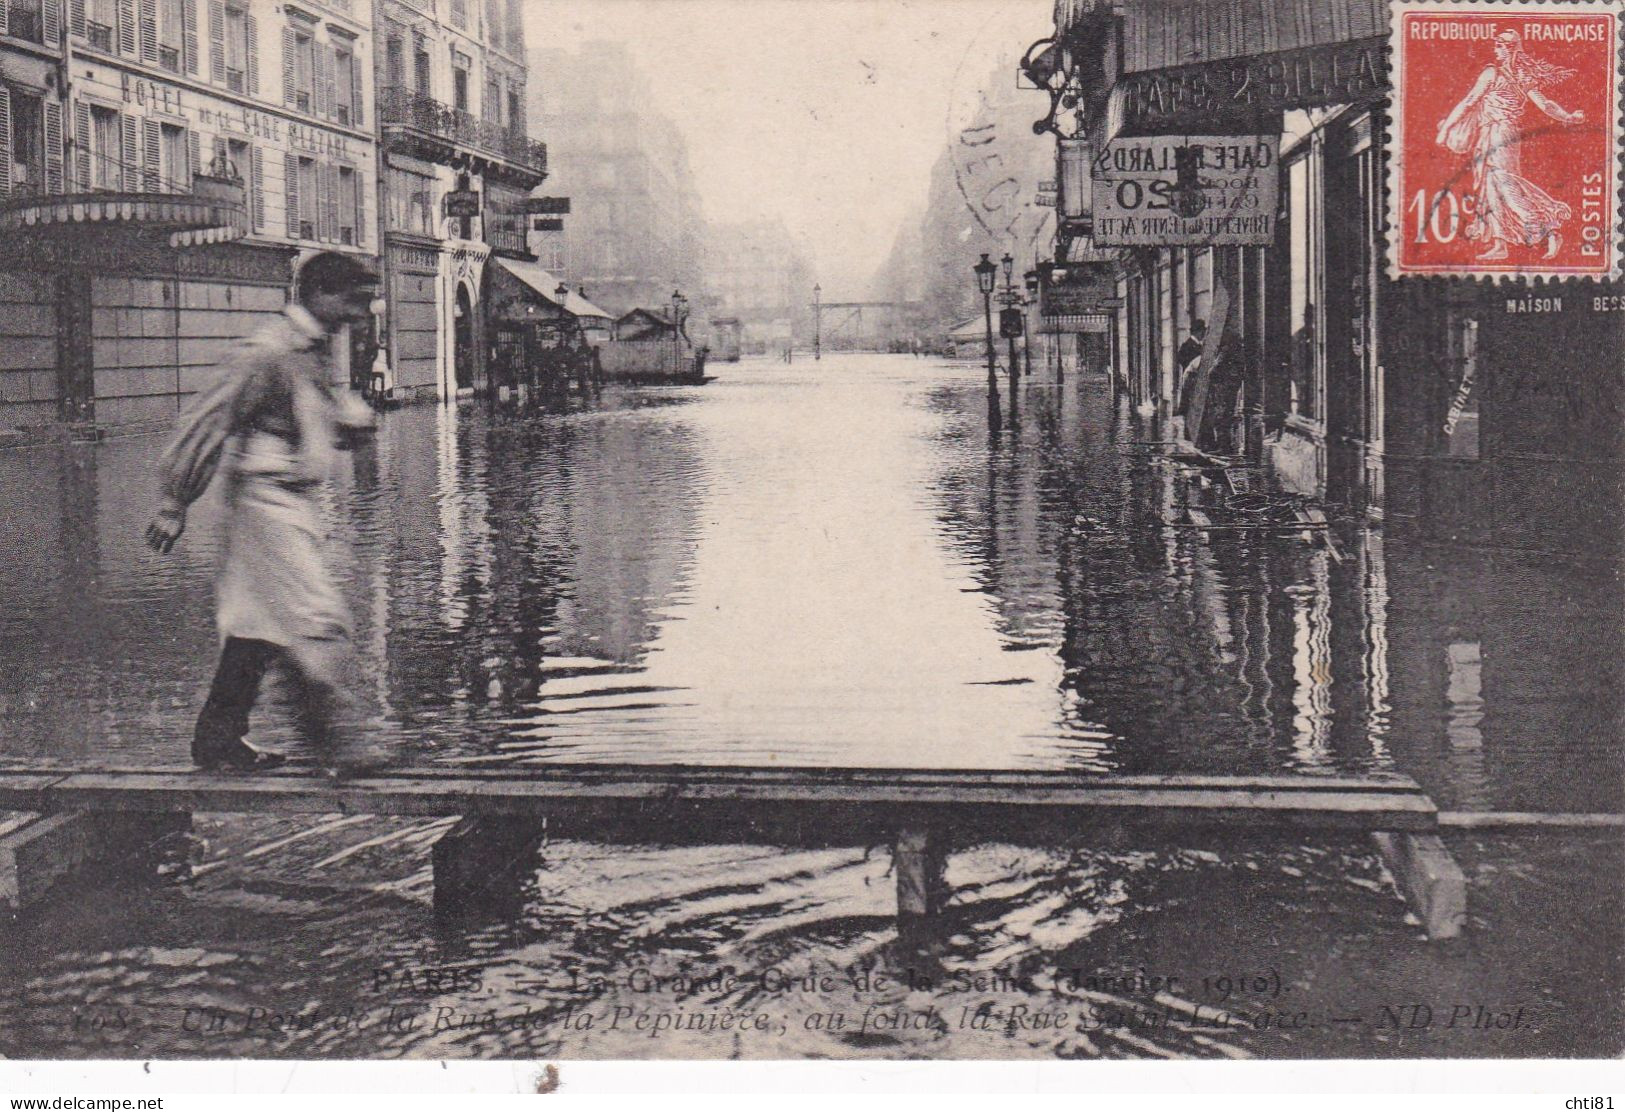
(170,162)
(457,166)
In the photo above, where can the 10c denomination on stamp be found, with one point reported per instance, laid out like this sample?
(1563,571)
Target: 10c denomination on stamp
(1505,156)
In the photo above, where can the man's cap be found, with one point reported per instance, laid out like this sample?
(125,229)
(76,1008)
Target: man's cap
(334,272)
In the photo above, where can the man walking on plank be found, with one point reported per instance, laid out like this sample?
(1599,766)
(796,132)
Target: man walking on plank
(269,425)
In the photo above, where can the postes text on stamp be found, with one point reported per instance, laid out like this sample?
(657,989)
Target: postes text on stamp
(1505,156)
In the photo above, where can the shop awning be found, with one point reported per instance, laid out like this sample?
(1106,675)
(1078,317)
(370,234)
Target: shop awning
(546,284)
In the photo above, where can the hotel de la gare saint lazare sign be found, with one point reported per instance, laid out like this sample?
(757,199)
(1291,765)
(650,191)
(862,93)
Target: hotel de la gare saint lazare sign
(1186,191)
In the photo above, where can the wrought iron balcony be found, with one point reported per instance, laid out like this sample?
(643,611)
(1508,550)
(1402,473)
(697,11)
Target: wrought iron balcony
(456,137)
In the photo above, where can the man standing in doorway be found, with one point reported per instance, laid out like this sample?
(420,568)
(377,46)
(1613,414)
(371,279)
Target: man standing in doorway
(269,425)
(1189,356)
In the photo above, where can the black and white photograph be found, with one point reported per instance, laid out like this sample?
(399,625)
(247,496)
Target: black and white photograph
(810,531)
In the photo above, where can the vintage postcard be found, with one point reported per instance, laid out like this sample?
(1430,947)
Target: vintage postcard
(554,530)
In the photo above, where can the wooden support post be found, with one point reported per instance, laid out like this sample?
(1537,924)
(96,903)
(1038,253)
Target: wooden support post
(39,851)
(918,861)
(479,863)
(1429,879)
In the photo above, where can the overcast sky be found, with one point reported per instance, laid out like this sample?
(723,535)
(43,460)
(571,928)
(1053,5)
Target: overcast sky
(828,113)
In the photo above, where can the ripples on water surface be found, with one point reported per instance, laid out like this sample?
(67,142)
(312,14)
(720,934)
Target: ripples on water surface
(812,564)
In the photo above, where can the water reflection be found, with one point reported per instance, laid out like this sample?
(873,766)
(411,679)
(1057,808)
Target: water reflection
(832,565)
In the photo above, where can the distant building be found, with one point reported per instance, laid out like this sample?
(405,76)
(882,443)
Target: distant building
(758,274)
(164,164)
(635,232)
(458,166)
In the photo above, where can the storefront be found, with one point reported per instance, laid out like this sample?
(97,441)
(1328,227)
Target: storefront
(1470,412)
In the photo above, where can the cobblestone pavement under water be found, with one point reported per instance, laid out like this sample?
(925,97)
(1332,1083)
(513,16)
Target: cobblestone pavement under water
(824,563)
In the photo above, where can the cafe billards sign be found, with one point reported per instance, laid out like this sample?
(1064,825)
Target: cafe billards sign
(1186,191)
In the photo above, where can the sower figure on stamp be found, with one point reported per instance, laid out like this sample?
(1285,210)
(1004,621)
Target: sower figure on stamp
(1508,207)
(269,426)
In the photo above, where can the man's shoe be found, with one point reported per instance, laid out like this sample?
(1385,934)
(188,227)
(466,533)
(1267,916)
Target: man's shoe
(239,756)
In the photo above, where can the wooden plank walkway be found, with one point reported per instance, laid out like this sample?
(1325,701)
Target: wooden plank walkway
(921,813)
(788,802)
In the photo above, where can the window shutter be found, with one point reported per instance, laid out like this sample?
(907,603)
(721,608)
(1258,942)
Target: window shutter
(290,167)
(5,141)
(5,29)
(217,41)
(327,179)
(251,31)
(360,208)
(149,30)
(152,134)
(76,17)
(324,82)
(189,36)
(51,21)
(53,147)
(287,67)
(130,152)
(126,26)
(220,155)
(194,158)
(81,145)
(356,116)
(256,158)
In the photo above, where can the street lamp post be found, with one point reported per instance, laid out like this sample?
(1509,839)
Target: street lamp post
(818,322)
(984,282)
(1010,299)
(1032,299)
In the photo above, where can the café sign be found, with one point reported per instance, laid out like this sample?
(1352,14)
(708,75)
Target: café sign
(1186,191)
(1213,94)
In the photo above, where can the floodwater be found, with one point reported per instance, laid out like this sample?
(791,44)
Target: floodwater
(829,564)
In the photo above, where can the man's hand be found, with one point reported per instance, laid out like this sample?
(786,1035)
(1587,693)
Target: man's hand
(165,529)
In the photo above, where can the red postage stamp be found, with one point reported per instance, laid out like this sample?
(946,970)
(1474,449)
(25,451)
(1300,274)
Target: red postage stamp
(1506,139)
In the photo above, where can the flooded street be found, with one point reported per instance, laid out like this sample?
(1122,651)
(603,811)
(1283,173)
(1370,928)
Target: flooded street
(825,564)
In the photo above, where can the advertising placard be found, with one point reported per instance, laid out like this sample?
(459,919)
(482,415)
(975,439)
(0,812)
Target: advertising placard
(1186,191)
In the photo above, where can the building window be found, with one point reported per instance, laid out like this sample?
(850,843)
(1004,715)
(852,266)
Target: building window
(170,44)
(236,49)
(411,202)
(99,23)
(23,20)
(516,31)
(304,70)
(420,70)
(27,143)
(459,13)
(395,62)
(343,84)
(459,83)
(106,154)
(173,169)
(516,111)
(309,198)
(493,22)
(347,208)
(492,108)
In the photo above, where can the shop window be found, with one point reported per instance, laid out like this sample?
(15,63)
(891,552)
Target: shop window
(27,143)
(1303,310)
(410,202)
